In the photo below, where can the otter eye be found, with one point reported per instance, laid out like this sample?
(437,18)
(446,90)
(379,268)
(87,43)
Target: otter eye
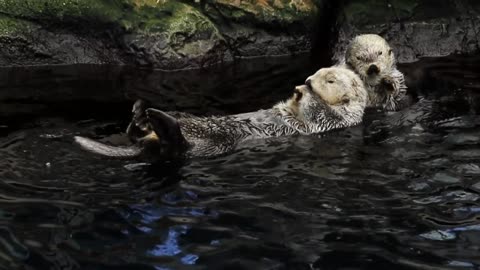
(330,81)
(359,58)
(380,53)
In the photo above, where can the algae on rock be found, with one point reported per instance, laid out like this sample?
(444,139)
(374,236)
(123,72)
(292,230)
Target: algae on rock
(163,34)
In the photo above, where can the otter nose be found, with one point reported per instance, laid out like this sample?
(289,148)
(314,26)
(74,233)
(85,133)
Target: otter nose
(373,69)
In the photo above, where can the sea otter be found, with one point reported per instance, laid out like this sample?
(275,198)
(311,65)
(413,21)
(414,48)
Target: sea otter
(333,98)
(373,60)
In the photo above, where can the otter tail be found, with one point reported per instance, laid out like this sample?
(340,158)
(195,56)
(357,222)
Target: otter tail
(107,150)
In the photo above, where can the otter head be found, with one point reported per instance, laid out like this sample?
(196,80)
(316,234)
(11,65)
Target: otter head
(339,88)
(370,57)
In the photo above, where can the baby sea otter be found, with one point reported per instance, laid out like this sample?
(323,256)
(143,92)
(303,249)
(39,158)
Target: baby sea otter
(330,99)
(373,60)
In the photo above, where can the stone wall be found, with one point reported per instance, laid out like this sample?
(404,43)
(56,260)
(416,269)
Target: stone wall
(415,28)
(182,34)
(165,34)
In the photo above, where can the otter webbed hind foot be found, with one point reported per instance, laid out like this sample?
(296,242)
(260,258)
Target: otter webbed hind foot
(167,129)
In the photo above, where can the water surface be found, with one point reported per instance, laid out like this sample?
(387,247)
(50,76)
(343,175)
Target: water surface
(400,191)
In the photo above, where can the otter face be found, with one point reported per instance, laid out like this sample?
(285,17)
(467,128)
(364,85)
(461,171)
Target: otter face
(371,57)
(338,87)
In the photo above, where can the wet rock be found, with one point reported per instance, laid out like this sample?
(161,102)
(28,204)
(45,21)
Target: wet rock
(169,34)
(414,28)
(163,34)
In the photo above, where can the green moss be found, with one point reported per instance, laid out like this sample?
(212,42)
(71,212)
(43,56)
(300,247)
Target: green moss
(283,12)
(176,20)
(142,15)
(60,10)
(11,26)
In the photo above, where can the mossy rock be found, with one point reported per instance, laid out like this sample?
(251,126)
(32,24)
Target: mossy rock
(166,34)
(10,26)
(65,10)
(265,12)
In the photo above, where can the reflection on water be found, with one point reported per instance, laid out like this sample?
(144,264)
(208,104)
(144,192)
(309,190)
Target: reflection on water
(400,191)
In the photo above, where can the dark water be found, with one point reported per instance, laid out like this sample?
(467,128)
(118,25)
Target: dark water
(401,191)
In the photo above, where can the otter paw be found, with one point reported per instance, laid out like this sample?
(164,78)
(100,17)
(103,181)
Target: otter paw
(139,125)
(139,115)
(388,84)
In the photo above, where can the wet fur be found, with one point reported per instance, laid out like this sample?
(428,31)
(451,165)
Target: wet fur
(313,108)
(387,88)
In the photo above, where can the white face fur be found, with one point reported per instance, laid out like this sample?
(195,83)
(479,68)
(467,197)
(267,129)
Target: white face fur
(338,87)
(371,57)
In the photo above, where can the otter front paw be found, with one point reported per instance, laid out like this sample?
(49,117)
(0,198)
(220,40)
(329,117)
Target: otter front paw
(388,84)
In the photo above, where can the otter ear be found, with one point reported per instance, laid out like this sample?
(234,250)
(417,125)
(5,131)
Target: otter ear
(390,52)
(345,99)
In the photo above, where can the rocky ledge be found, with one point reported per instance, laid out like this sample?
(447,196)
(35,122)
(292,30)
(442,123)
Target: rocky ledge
(414,28)
(165,34)
(181,34)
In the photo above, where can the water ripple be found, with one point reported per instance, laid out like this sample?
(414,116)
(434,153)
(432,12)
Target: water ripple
(400,191)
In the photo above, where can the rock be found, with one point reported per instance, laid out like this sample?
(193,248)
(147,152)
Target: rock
(414,28)
(171,34)
(163,34)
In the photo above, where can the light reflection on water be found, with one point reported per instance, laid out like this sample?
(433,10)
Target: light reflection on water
(395,192)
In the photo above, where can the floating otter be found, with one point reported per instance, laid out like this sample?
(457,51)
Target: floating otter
(332,98)
(373,60)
